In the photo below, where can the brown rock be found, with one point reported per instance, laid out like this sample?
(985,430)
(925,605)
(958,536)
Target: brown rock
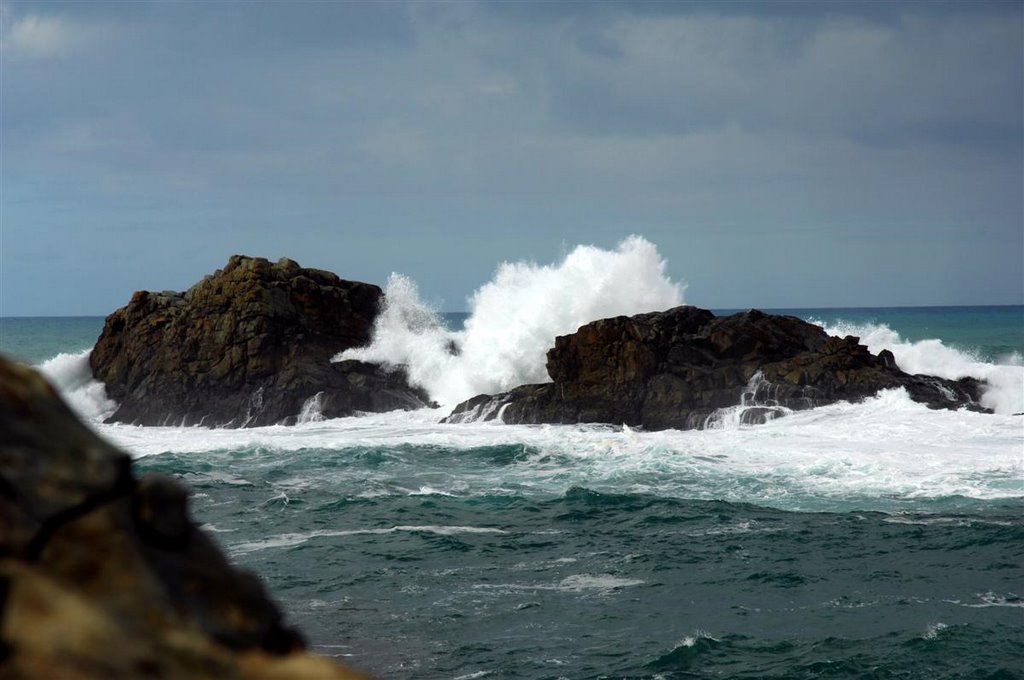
(675,369)
(246,346)
(103,576)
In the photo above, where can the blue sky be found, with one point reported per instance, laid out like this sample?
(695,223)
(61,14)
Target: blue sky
(778,154)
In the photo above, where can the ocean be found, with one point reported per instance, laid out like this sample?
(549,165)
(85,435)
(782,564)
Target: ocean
(871,540)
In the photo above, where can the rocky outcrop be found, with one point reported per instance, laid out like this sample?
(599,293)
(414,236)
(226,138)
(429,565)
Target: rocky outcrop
(686,368)
(248,345)
(105,576)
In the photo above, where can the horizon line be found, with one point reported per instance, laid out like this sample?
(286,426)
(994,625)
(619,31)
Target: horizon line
(711,308)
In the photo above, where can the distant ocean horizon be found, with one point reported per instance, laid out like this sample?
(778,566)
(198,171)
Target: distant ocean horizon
(992,330)
(880,539)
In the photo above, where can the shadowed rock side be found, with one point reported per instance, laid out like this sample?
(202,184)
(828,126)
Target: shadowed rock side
(103,575)
(683,368)
(248,345)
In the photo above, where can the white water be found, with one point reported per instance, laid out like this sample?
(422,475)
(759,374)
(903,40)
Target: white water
(1005,392)
(882,453)
(71,374)
(312,410)
(515,318)
(886,453)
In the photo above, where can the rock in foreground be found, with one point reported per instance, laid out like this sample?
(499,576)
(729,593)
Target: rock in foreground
(105,576)
(683,367)
(248,345)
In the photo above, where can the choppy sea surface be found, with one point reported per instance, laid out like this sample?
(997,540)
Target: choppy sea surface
(871,540)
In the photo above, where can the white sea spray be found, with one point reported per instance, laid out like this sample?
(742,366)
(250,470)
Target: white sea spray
(515,318)
(1005,390)
(886,453)
(72,376)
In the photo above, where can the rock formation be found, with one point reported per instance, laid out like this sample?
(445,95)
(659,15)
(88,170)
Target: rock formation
(680,369)
(105,576)
(248,345)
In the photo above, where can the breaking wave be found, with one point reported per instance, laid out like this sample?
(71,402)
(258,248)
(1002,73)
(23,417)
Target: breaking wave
(71,375)
(1005,392)
(515,318)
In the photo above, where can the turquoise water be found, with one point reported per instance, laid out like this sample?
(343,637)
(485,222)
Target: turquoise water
(34,339)
(877,540)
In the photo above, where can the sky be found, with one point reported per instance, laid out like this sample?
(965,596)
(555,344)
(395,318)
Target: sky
(778,154)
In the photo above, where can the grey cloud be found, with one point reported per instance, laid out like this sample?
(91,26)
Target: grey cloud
(519,125)
(689,74)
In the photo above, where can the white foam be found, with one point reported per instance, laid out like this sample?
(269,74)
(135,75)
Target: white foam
(72,376)
(691,640)
(1005,391)
(887,453)
(991,599)
(758,394)
(515,318)
(290,540)
(213,528)
(576,583)
(473,676)
(580,582)
(312,409)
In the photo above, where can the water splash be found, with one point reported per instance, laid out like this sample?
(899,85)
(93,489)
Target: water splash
(885,453)
(1005,391)
(312,410)
(515,318)
(72,376)
(759,403)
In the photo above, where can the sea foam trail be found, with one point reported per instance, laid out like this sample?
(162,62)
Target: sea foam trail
(515,318)
(886,453)
(1005,391)
(71,375)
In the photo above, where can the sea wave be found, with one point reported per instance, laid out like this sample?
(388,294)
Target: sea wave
(515,318)
(887,453)
(1004,392)
(294,539)
(71,375)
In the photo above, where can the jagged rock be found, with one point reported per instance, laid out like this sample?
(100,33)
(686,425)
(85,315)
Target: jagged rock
(681,367)
(105,576)
(246,346)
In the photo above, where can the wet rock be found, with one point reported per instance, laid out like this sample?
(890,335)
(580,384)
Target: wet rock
(684,367)
(246,346)
(103,575)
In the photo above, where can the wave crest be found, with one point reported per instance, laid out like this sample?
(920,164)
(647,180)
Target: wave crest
(515,318)
(1005,391)
(71,375)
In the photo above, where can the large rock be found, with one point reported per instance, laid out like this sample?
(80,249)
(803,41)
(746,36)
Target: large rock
(685,367)
(248,345)
(105,576)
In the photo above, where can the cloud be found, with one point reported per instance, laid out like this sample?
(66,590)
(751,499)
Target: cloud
(35,36)
(847,76)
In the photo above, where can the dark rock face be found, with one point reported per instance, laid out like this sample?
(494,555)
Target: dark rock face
(246,346)
(103,575)
(678,368)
